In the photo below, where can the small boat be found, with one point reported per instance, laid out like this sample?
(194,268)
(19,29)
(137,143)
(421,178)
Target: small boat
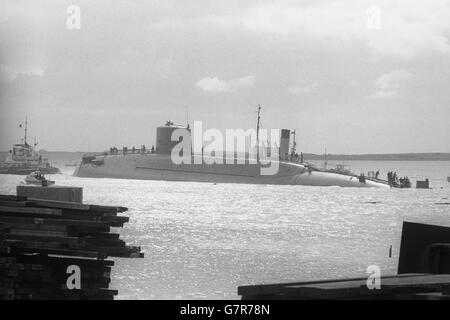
(448,179)
(71,164)
(38,178)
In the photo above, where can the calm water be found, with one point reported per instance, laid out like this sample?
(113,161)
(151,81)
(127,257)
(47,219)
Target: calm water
(203,240)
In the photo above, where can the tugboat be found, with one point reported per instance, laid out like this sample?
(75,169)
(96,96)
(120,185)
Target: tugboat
(38,178)
(23,159)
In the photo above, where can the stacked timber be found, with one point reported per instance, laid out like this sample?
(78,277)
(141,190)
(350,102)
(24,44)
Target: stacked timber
(57,250)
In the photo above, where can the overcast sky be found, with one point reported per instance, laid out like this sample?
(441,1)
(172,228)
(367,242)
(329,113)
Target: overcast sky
(346,78)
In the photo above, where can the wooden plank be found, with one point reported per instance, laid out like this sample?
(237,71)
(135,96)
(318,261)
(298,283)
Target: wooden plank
(62,261)
(46,281)
(79,233)
(29,244)
(358,288)
(3,230)
(97,208)
(131,255)
(333,290)
(16,203)
(423,280)
(12,197)
(45,238)
(99,235)
(56,275)
(72,249)
(4,249)
(32,211)
(96,216)
(112,251)
(80,215)
(105,242)
(75,230)
(269,289)
(100,209)
(119,220)
(25,226)
(27,232)
(48,221)
(430,296)
(61,204)
(62,252)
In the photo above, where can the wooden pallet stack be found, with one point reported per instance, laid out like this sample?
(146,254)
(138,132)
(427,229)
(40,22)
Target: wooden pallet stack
(43,242)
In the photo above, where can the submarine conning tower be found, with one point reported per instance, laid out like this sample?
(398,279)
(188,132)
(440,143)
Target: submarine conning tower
(164,143)
(284,143)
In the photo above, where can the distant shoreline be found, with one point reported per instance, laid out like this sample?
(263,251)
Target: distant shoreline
(436,156)
(381,157)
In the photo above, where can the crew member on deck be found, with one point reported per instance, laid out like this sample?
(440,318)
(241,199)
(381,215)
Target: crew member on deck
(362,178)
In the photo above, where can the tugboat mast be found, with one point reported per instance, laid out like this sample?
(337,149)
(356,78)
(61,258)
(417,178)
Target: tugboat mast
(26,127)
(257,132)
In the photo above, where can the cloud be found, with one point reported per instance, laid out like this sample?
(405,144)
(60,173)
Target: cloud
(8,73)
(390,83)
(305,89)
(393,79)
(383,94)
(218,85)
(404,27)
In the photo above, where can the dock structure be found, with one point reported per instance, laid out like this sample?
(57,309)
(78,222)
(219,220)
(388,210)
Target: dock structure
(58,250)
(54,192)
(405,286)
(423,273)
(425,184)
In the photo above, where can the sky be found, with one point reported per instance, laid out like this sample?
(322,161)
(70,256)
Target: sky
(351,76)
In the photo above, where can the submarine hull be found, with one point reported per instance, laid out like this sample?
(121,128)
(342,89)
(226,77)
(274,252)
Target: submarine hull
(160,167)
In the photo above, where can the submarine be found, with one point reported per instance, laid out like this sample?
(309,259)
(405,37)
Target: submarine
(157,164)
